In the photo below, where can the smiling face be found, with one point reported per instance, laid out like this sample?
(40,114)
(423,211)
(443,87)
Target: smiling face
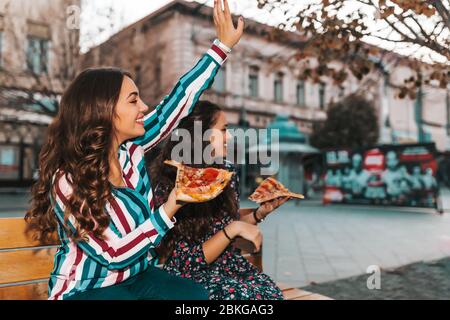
(129,112)
(220,136)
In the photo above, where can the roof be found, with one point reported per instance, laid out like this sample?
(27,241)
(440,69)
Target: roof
(291,139)
(288,130)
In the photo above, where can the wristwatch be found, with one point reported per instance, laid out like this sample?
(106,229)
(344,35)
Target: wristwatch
(256,218)
(218,43)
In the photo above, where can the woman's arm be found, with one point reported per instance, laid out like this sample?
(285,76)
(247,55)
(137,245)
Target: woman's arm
(116,251)
(179,103)
(214,246)
(266,208)
(246,215)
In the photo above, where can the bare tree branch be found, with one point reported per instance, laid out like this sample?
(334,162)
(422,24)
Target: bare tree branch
(443,11)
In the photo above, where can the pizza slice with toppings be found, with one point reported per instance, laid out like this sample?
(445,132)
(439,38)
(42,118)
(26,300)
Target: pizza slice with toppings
(271,189)
(199,184)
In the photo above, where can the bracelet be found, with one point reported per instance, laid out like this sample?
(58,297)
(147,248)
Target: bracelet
(226,235)
(222,46)
(256,218)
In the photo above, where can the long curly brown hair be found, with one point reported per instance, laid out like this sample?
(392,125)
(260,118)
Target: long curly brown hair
(193,220)
(78,143)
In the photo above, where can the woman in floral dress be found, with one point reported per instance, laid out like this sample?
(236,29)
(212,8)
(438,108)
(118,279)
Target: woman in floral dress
(200,245)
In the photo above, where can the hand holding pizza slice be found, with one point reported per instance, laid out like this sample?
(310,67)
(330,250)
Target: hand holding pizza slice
(271,189)
(199,184)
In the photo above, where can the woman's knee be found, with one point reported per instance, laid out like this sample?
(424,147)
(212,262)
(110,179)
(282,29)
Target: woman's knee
(162,285)
(189,289)
(199,292)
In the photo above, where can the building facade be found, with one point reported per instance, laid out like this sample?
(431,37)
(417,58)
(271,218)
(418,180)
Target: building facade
(38,56)
(259,81)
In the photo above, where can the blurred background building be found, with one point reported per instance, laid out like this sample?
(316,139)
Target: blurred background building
(38,54)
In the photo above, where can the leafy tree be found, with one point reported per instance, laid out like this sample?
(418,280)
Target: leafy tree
(351,123)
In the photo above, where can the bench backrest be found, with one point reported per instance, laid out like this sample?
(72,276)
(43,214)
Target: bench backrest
(25,266)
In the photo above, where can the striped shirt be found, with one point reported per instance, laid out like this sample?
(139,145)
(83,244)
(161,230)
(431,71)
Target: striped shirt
(136,226)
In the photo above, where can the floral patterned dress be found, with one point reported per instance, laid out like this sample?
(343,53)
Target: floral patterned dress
(230,276)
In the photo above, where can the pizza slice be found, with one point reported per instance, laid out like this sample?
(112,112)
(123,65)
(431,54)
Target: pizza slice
(199,184)
(271,189)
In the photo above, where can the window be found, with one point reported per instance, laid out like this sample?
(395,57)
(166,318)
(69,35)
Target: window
(1,40)
(301,93)
(1,48)
(37,55)
(29,164)
(37,46)
(278,87)
(253,80)
(448,111)
(322,89)
(9,162)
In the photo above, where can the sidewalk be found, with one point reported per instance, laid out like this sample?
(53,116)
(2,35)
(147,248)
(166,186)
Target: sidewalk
(315,243)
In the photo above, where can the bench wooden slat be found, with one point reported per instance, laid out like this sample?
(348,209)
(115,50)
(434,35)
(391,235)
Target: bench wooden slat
(26,265)
(314,296)
(293,294)
(34,291)
(12,234)
(284,286)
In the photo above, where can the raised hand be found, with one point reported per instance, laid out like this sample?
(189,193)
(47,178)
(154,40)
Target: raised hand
(226,32)
(269,206)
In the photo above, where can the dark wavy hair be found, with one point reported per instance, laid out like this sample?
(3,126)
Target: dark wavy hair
(78,143)
(193,220)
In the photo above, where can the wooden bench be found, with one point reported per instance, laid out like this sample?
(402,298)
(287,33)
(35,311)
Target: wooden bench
(25,266)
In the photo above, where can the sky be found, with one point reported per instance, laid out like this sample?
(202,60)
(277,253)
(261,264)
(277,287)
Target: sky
(130,11)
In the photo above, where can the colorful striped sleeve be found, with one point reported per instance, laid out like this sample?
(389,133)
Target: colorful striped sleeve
(114,251)
(179,103)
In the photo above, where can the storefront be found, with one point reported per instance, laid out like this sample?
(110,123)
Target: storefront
(21,137)
(292,149)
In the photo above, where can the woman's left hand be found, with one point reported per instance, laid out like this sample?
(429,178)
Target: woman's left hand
(268,207)
(226,32)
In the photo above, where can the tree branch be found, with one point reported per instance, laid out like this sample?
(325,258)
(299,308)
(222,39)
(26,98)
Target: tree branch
(424,34)
(443,11)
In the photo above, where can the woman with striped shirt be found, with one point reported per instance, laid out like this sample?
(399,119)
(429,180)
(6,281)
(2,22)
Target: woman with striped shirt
(93,187)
